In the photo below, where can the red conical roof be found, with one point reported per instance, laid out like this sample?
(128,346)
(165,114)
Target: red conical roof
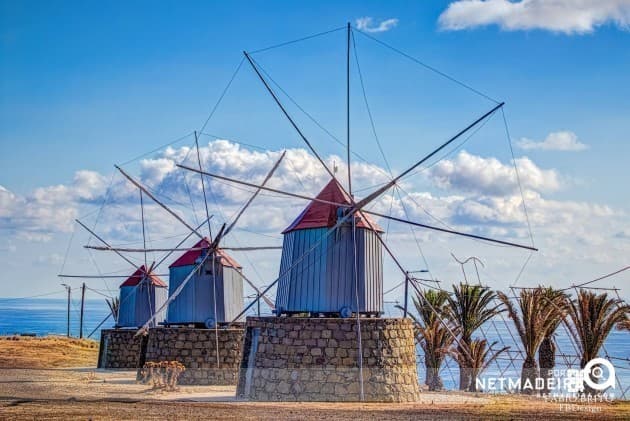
(139,275)
(324,215)
(189,257)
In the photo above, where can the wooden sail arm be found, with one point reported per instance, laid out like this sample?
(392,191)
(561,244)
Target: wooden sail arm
(156,200)
(286,114)
(269,189)
(266,299)
(369,198)
(353,210)
(107,244)
(431,227)
(182,242)
(251,199)
(154,250)
(103,276)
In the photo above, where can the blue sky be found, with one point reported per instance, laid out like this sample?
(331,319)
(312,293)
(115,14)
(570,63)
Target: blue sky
(85,85)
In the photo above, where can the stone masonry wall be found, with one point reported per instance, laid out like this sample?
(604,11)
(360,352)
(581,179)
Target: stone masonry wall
(197,350)
(317,359)
(121,349)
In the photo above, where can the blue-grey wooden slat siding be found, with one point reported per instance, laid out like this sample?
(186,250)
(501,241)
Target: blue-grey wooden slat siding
(232,293)
(322,279)
(195,303)
(161,295)
(127,308)
(138,303)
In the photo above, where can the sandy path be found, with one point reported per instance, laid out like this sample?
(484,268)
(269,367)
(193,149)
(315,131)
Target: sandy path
(92,384)
(96,394)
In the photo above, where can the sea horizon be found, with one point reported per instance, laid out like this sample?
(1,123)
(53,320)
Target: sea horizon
(48,316)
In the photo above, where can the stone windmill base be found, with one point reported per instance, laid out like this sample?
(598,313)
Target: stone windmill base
(121,349)
(316,359)
(197,350)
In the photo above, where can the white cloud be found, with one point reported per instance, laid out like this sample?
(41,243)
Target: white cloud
(481,193)
(49,210)
(471,173)
(555,141)
(564,16)
(54,259)
(476,194)
(544,213)
(367,24)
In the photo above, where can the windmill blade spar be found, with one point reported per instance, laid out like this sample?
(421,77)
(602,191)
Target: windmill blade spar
(251,199)
(107,244)
(156,200)
(353,210)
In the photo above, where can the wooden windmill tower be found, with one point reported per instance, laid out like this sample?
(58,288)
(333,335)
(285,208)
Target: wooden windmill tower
(140,295)
(339,278)
(220,277)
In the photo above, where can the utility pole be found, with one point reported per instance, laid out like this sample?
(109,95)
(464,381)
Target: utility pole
(258,296)
(67,287)
(406,292)
(82,308)
(407,279)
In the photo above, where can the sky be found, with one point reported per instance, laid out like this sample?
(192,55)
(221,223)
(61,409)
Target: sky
(87,85)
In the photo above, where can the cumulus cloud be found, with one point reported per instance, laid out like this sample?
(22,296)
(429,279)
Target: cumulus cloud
(367,24)
(555,141)
(563,16)
(470,193)
(475,194)
(542,212)
(489,176)
(52,209)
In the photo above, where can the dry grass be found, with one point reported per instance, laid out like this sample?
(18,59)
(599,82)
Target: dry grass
(47,352)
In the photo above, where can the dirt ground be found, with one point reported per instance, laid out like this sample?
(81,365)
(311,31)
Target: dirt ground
(87,393)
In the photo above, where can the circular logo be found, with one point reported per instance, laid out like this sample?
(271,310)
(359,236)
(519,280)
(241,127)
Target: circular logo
(596,377)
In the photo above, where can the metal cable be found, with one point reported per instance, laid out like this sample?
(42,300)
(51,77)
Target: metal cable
(426,66)
(260,50)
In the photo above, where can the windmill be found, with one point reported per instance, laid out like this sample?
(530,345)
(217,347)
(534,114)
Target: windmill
(331,266)
(142,292)
(206,278)
(347,210)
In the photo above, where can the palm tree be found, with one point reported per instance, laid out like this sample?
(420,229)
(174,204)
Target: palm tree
(535,317)
(114,304)
(592,317)
(547,350)
(625,325)
(433,335)
(478,356)
(468,308)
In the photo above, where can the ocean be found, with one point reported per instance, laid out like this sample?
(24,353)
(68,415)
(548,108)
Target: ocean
(43,316)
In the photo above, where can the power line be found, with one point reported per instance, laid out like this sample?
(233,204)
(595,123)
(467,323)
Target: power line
(32,296)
